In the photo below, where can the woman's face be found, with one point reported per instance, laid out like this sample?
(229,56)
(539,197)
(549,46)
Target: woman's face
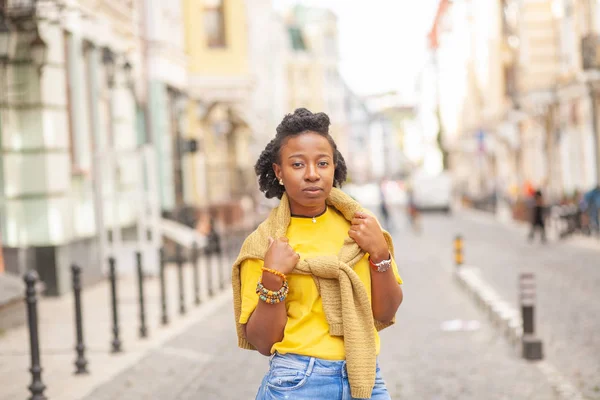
(307,170)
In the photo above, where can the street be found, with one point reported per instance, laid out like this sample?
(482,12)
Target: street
(567,281)
(419,359)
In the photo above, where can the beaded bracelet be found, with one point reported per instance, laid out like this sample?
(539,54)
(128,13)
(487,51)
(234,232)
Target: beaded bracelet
(270,293)
(271,297)
(274,272)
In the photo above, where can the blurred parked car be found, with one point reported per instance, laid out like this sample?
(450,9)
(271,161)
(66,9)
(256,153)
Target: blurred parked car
(432,192)
(369,194)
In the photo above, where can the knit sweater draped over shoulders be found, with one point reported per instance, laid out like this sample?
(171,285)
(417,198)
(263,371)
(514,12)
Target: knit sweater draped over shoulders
(345,300)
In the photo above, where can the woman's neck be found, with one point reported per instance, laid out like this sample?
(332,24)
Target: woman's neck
(308,212)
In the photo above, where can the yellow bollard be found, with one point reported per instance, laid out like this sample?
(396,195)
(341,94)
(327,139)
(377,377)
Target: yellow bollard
(458,251)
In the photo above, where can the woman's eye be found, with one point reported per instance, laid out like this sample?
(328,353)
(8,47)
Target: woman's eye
(297,165)
(323,163)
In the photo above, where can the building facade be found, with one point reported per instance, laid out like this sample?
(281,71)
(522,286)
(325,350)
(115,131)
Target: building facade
(67,100)
(358,155)
(388,130)
(449,108)
(313,68)
(527,114)
(269,51)
(163,83)
(220,112)
(578,25)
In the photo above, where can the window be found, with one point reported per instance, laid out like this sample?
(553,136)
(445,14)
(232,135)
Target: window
(214,23)
(297,38)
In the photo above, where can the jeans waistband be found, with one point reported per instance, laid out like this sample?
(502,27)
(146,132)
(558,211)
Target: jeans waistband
(308,365)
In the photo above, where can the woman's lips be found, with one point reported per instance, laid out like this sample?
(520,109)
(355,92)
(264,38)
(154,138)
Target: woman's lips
(312,190)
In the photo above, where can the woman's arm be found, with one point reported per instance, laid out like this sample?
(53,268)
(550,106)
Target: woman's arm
(267,323)
(386,293)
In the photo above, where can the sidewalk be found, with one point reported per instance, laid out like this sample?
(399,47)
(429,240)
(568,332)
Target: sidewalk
(57,334)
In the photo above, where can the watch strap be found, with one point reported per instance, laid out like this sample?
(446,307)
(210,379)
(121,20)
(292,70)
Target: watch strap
(381,266)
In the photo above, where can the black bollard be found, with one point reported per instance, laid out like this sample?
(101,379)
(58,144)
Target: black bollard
(80,361)
(221,262)
(532,346)
(179,256)
(195,258)
(163,291)
(116,342)
(209,251)
(203,264)
(140,274)
(214,244)
(37,387)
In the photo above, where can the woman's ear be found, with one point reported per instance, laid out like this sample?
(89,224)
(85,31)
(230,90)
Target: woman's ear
(277,170)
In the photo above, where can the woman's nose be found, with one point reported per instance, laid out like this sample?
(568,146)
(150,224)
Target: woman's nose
(311,173)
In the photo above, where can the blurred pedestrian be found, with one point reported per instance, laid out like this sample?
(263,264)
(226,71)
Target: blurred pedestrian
(413,211)
(383,208)
(294,314)
(538,216)
(592,204)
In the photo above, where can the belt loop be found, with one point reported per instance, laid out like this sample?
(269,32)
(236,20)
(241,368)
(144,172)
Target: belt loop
(272,356)
(344,370)
(310,367)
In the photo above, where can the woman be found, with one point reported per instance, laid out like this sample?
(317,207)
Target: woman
(316,280)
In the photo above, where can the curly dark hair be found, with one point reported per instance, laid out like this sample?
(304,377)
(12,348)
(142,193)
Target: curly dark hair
(301,121)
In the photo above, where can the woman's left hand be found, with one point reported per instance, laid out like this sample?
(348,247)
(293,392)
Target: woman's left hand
(367,233)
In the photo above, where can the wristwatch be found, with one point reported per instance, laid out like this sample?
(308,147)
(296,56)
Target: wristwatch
(381,266)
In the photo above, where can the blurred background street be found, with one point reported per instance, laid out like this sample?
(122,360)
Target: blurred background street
(129,130)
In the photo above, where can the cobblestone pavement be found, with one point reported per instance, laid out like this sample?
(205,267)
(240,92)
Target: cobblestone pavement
(567,279)
(419,360)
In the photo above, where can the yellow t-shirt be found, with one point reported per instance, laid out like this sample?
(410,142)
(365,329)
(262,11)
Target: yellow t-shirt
(307,332)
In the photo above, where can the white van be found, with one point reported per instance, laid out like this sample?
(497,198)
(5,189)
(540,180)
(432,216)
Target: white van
(432,192)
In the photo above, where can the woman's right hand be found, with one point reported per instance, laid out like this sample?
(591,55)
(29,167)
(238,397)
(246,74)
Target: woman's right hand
(280,256)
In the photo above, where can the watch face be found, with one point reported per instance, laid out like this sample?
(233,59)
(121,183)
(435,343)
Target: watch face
(384,265)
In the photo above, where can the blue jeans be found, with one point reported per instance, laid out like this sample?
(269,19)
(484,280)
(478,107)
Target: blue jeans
(297,377)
